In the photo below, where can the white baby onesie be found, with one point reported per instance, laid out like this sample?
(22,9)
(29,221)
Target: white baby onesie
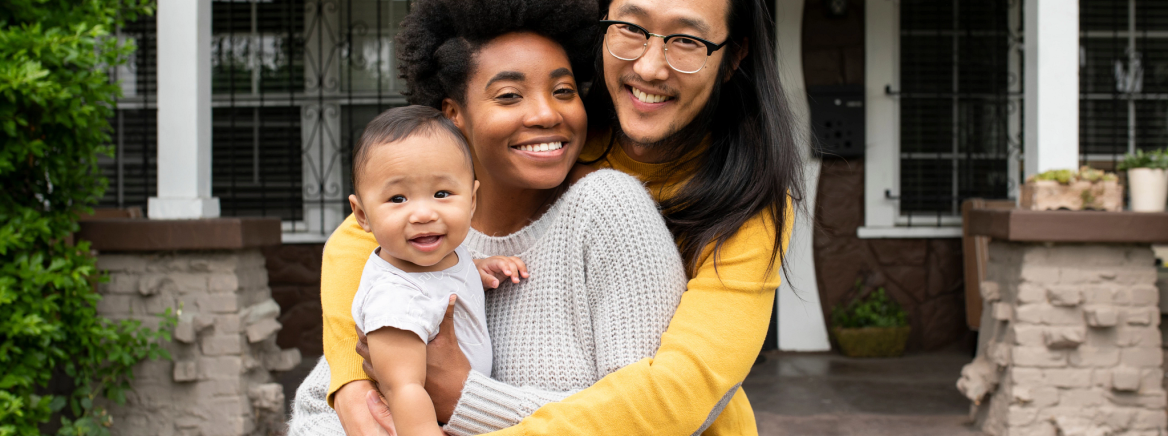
(390,297)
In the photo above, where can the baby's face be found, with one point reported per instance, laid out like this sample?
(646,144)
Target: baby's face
(416,196)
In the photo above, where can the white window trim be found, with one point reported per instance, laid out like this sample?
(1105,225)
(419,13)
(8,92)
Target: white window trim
(882,218)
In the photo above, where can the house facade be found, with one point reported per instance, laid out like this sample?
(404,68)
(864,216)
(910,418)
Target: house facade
(910,107)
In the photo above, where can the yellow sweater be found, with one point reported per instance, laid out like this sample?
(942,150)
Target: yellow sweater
(707,351)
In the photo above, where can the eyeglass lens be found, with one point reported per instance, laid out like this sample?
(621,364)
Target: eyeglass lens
(629,43)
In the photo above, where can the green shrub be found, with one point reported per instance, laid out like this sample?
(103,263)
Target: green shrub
(874,310)
(55,103)
(1152,159)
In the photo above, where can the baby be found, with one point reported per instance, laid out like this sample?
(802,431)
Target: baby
(415,191)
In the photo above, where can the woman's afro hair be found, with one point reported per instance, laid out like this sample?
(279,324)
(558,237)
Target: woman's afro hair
(439,38)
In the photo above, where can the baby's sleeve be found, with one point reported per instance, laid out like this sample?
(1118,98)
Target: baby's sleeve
(391,301)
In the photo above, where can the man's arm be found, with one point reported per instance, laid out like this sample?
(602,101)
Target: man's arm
(344,258)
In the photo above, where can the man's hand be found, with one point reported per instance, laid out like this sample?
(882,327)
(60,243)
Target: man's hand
(357,416)
(494,268)
(446,367)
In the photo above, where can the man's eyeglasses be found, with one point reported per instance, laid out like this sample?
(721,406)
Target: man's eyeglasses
(684,53)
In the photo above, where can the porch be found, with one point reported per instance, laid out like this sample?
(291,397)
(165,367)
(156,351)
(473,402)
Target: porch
(831,395)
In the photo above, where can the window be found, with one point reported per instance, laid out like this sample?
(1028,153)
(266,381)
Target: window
(1123,79)
(944,111)
(132,170)
(294,82)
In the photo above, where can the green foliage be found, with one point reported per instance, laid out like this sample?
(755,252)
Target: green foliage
(874,310)
(1085,174)
(1153,159)
(55,103)
(1061,176)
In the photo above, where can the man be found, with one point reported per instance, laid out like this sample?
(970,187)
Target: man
(693,108)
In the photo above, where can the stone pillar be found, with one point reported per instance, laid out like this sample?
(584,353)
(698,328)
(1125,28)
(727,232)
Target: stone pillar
(1069,343)
(211,274)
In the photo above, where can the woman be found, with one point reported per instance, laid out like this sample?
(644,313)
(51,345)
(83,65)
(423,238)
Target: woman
(604,275)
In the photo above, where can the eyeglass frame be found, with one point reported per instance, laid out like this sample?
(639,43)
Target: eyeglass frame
(710,47)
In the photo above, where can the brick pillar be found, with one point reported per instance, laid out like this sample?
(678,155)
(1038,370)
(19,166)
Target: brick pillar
(224,344)
(211,274)
(1069,342)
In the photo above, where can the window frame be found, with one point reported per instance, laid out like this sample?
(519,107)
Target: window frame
(882,160)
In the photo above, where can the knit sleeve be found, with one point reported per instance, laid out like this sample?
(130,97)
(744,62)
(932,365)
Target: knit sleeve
(634,276)
(694,379)
(633,281)
(311,414)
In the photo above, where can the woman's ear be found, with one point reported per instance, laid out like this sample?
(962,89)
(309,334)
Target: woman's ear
(474,198)
(453,112)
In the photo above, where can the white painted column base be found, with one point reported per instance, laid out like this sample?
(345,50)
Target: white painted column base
(182,208)
(801,323)
(801,326)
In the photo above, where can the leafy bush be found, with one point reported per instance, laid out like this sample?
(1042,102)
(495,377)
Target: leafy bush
(55,103)
(1152,159)
(874,310)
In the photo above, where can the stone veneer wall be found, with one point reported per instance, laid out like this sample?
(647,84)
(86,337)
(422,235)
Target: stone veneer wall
(924,275)
(294,276)
(1069,342)
(224,344)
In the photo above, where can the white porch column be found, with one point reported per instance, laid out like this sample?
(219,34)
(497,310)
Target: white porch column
(801,326)
(184,112)
(1052,85)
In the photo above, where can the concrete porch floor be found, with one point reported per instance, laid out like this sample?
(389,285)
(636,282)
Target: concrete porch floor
(827,394)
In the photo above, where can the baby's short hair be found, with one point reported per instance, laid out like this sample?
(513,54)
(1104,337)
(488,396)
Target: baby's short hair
(400,123)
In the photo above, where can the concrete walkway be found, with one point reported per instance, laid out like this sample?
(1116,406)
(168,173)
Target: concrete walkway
(826,394)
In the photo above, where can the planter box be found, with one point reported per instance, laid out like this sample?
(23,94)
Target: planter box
(1078,195)
(872,341)
(1149,189)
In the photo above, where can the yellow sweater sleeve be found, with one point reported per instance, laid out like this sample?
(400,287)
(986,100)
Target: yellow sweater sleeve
(706,353)
(344,258)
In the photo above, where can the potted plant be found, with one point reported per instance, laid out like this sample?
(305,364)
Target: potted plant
(872,325)
(1147,174)
(1087,188)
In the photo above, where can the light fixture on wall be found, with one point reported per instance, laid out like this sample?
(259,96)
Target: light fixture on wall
(837,8)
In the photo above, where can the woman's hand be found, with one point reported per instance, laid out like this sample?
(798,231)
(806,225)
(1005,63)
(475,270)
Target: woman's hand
(446,367)
(357,416)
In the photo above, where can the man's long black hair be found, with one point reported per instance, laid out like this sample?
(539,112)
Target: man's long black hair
(753,162)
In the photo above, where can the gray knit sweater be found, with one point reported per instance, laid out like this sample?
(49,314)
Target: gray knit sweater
(605,281)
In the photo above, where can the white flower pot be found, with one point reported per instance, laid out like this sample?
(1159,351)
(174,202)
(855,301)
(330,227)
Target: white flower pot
(1149,189)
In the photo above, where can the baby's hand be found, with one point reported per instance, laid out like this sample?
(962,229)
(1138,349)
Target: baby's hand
(494,268)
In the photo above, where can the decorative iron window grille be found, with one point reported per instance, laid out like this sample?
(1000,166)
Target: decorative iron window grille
(132,170)
(960,105)
(1123,78)
(294,82)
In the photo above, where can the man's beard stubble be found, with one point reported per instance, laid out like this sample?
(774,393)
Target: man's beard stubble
(679,140)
